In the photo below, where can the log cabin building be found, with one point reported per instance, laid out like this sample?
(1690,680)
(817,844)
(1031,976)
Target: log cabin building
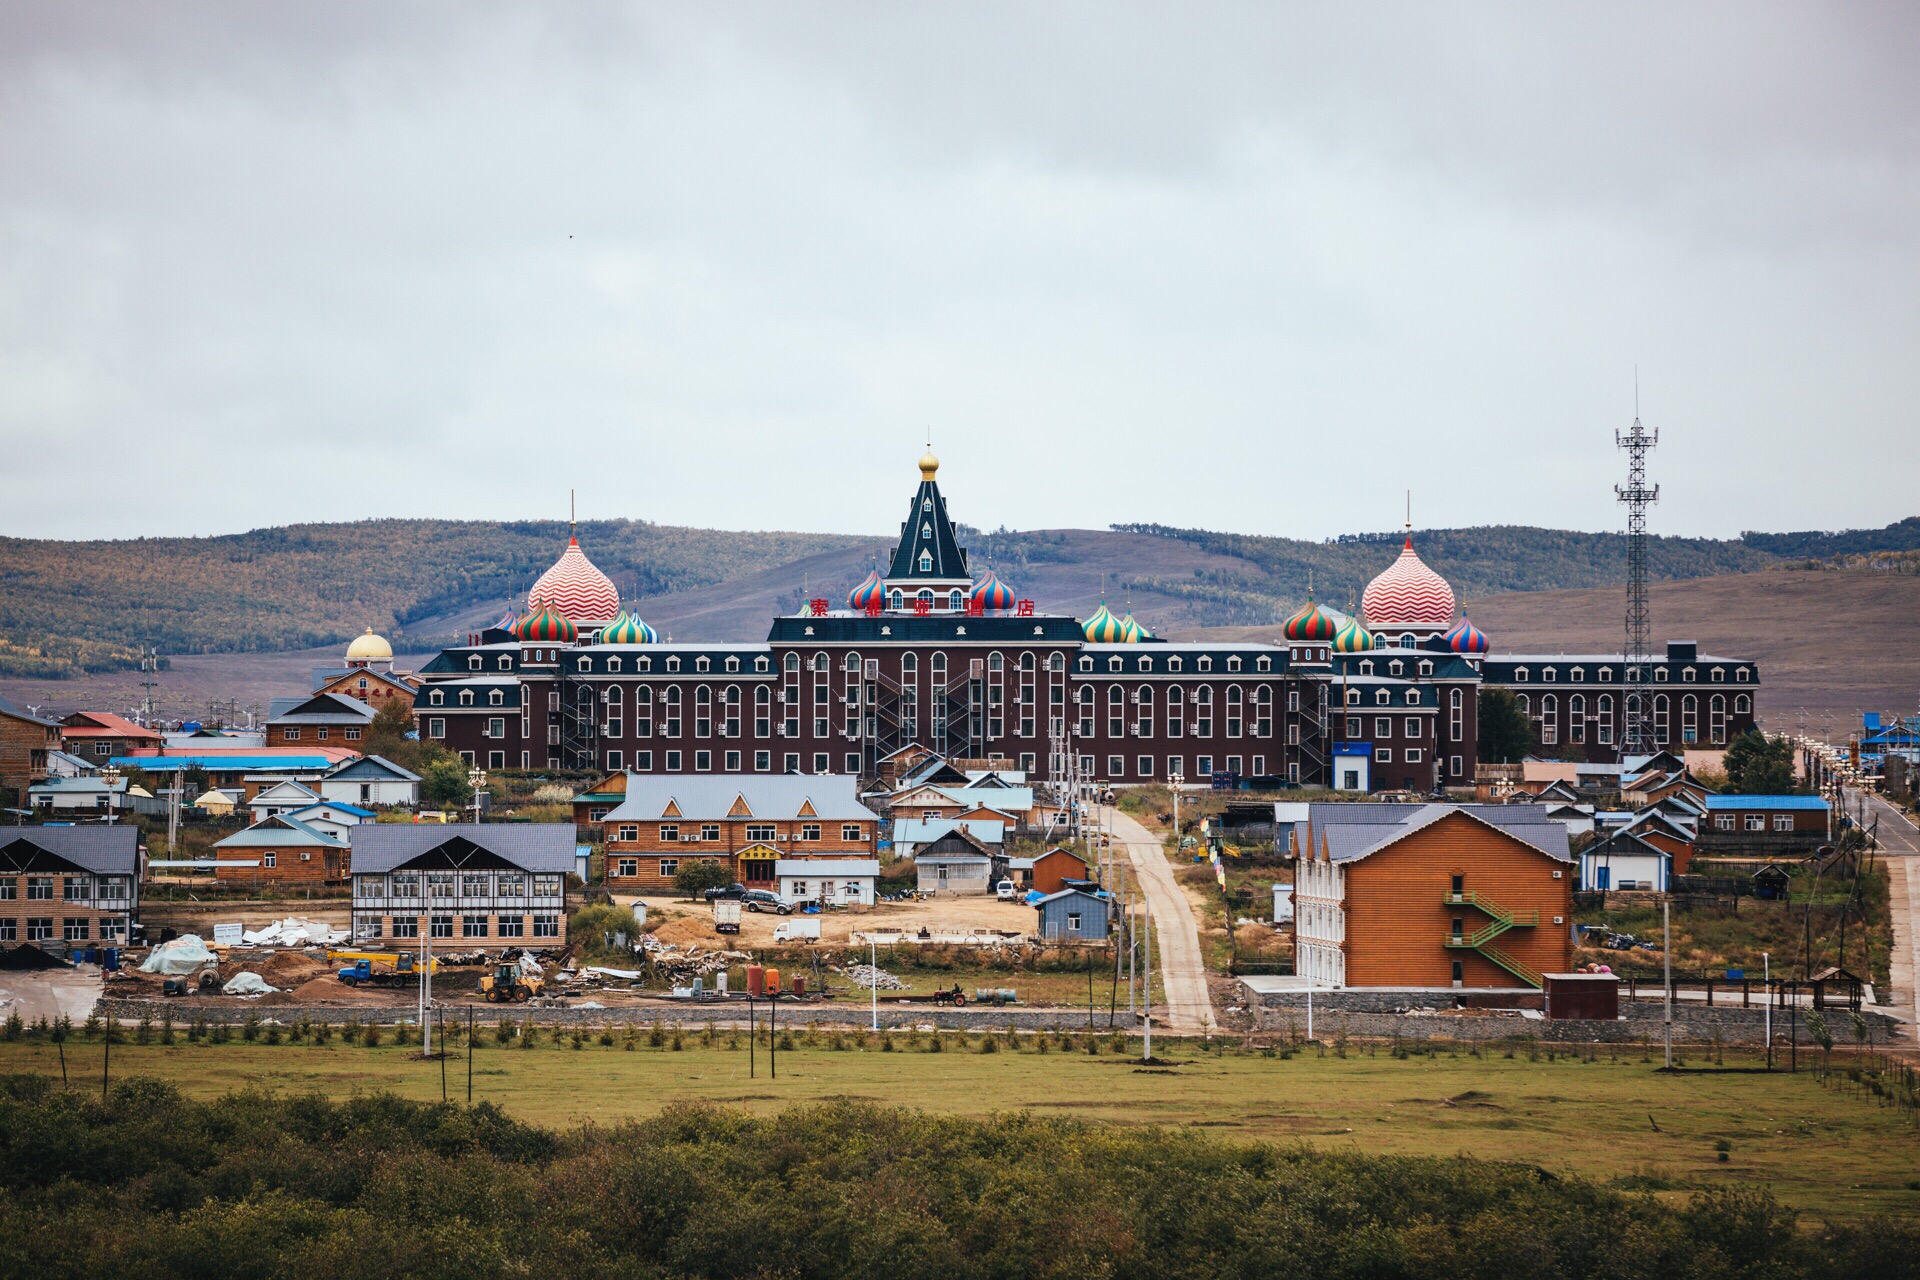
(748,825)
(933,656)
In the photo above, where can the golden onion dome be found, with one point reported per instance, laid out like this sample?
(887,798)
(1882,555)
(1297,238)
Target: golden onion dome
(928,465)
(369,648)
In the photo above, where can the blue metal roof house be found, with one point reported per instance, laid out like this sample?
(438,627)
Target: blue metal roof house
(1074,915)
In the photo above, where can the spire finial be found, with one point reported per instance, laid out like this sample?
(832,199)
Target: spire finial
(1309,584)
(573,530)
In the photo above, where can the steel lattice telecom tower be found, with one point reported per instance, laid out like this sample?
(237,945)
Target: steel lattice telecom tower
(1636,736)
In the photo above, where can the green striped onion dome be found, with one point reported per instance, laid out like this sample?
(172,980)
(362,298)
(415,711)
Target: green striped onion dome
(1103,627)
(1352,638)
(1312,624)
(627,628)
(546,625)
(1132,631)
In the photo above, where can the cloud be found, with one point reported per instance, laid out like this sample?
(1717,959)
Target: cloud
(1246,267)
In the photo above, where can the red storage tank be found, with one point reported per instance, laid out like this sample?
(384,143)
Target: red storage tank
(756,981)
(799,984)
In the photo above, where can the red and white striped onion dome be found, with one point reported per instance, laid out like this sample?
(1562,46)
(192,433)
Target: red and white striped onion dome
(1408,594)
(575,589)
(870,592)
(991,593)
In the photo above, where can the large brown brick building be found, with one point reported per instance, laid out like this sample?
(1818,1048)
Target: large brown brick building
(25,740)
(746,824)
(1437,895)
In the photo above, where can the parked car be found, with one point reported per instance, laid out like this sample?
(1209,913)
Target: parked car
(735,890)
(766,900)
(1005,891)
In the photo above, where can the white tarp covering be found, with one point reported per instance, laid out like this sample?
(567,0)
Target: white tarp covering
(186,954)
(294,932)
(247,984)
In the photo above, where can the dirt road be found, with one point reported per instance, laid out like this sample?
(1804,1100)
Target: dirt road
(1900,845)
(689,922)
(1184,975)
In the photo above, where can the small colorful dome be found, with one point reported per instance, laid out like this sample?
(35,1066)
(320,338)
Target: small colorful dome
(369,648)
(1466,638)
(1312,623)
(1352,638)
(575,588)
(1131,630)
(991,593)
(868,593)
(546,626)
(1408,594)
(627,628)
(1103,628)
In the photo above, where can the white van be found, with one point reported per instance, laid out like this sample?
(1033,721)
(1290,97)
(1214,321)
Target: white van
(1005,891)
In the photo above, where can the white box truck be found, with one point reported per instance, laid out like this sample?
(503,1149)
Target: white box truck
(802,930)
(726,915)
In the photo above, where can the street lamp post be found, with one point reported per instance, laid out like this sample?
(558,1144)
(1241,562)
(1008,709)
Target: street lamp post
(476,779)
(111,776)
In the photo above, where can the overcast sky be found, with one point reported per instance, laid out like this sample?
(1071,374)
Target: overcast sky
(1258,268)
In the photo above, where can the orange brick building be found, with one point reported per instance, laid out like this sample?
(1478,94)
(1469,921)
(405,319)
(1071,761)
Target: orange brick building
(1432,895)
(747,824)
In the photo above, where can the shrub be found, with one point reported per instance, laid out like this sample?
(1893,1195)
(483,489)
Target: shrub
(15,1028)
(272,1033)
(250,1029)
(656,1034)
(370,1035)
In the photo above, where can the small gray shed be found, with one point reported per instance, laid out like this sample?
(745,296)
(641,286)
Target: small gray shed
(1074,915)
(958,863)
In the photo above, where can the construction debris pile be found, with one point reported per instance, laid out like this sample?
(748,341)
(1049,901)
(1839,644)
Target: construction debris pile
(294,932)
(865,976)
(689,961)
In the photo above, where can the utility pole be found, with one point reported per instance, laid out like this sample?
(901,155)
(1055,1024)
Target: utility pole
(1766,985)
(1146,1043)
(1637,738)
(1666,961)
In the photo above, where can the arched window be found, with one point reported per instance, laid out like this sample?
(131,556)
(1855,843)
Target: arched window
(910,662)
(996,662)
(1406,639)
(1743,705)
(1026,661)
(703,696)
(1056,662)
(821,662)
(612,696)
(899,599)
(924,596)
(793,662)
(953,601)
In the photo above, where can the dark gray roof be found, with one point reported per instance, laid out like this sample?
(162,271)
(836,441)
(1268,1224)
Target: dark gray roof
(536,846)
(928,529)
(320,708)
(105,849)
(19,712)
(1353,831)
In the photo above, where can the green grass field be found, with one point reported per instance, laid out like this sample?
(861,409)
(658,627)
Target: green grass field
(1827,1153)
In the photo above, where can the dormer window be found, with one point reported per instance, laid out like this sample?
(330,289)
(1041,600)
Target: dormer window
(1086,664)
(1687,675)
(1145,664)
(505,663)
(702,662)
(733,664)
(585,664)
(1718,675)
(1520,673)
(436,698)
(1383,697)
(644,664)
(926,529)
(1233,664)
(761,664)
(1353,697)
(1113,664)
(1413,697)
(496,698)
(1426,667)
(1606,675)
(1366,666)
(1396,668)
(926,504)
(1205,664)
(1659,675)
(926,562)
(1741,675)
(673,664)
(613,664)
(1263,664)
(1547,674)
(466,697)
(473,662)
(1577,675)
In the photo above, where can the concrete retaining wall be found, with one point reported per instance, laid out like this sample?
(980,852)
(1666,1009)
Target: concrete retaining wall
(1638,1020)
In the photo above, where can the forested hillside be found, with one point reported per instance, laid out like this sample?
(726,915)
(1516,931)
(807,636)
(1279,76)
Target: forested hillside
(72,607)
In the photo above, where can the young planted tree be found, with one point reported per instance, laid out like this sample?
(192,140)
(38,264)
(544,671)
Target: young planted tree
(1506,733)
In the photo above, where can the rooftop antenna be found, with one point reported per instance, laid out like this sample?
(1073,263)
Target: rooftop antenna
(572,527)
(1637,496)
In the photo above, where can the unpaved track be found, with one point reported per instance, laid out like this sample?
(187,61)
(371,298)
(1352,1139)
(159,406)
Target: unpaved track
(1900,845)
(1183,975)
